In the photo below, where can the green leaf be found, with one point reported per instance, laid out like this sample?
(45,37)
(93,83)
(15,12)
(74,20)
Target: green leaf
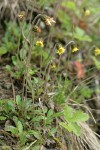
(66,126)
(79,31)
(8,67)
(97,63)
(60,97)
(23,53)
(53,131)
(10,46)
(12,129)
(18,101)
(35,80)
(76,129)
(69,4)
(38,111)
(48,120)
(15,119)
(23,138)
(9,106)
(50,113)
(68,112)
(36,148)
(65,19)
(20,127)
(58,114)
(14,60)
(2,118)
(72,127)
(45,2)
(86,91)
(35,133)
(31,72)
(79,116)
(37,118)
(45,109)
(3,50)
(81,35)
(86,38)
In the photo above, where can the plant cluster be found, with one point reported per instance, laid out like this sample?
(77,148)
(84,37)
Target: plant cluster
(53,87)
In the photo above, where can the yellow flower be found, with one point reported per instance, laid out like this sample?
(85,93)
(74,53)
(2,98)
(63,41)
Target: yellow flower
(87,12)
(49,21)
(40,43)
(61,50)
(75,49)
(53,66)
(97,51)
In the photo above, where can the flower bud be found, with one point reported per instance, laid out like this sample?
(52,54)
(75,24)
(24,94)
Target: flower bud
(36,29)
(22,15)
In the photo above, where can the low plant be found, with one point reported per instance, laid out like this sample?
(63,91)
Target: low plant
(46,104)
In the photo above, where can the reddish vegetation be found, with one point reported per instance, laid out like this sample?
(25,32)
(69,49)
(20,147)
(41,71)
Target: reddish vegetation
(79,69)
